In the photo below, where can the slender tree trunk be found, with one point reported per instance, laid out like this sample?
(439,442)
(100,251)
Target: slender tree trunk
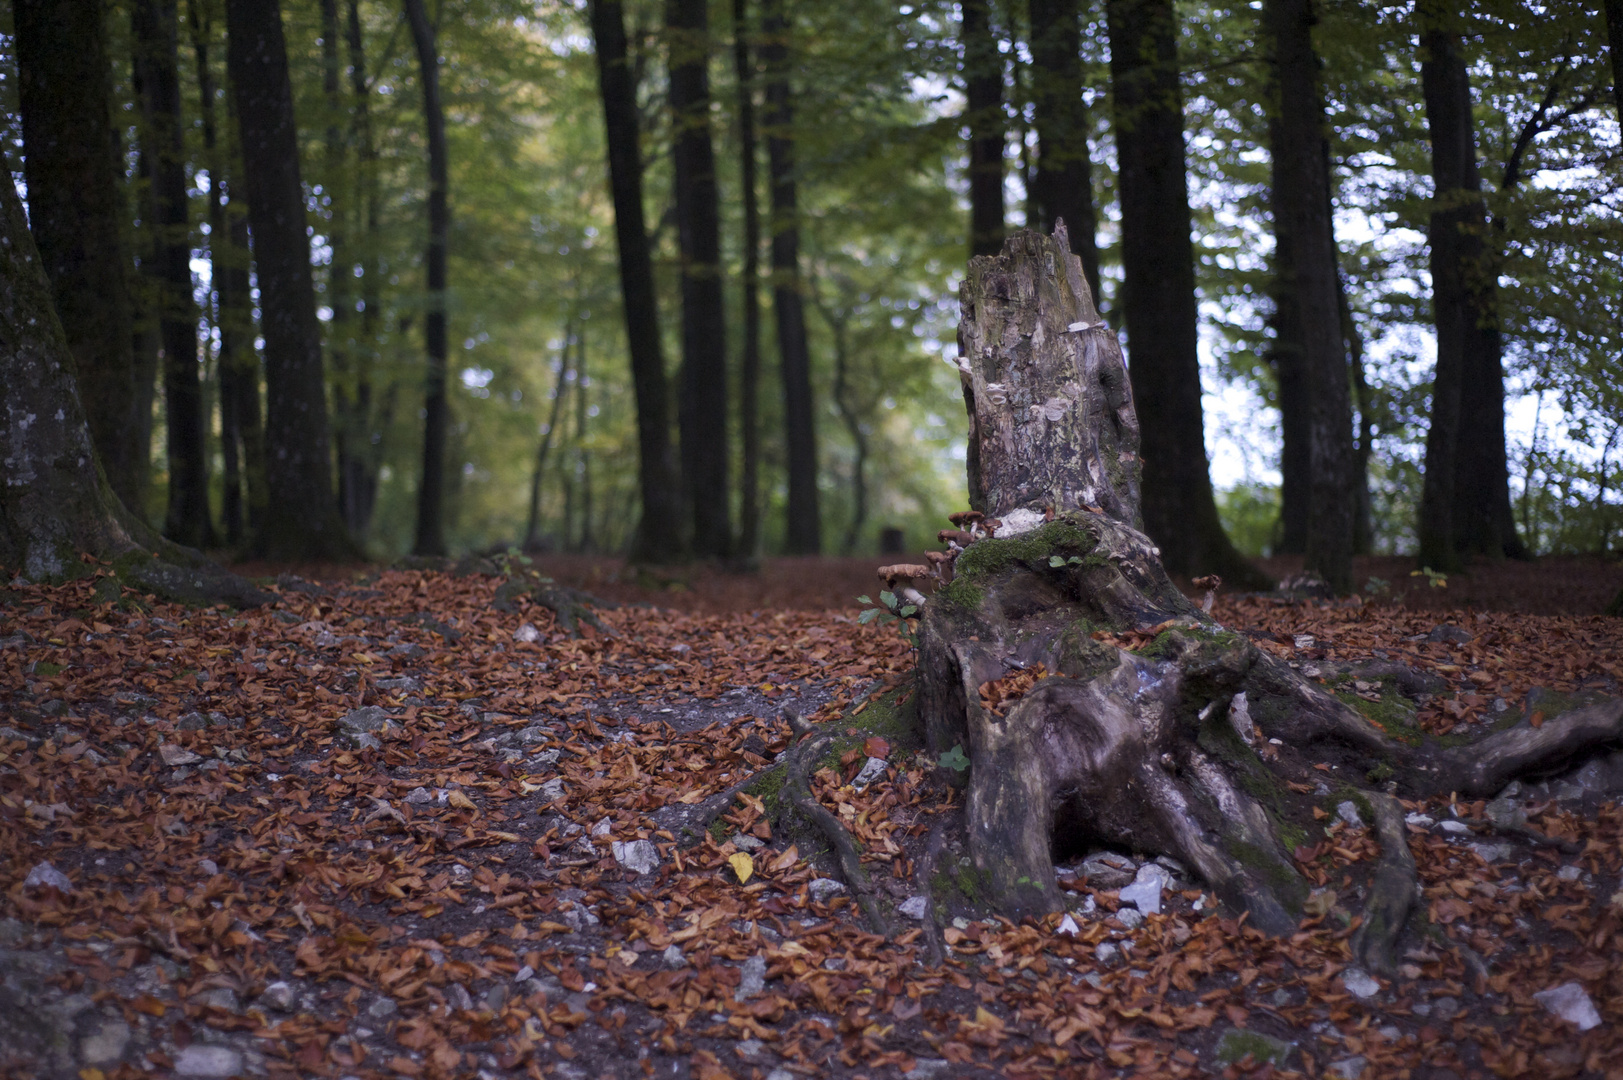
(362,458)
(1158,293)
(658,535)
(804,533)
(228,272)
(71,162)
(1364,399)
(749,374)
(560,391)
(983,112)
(1064,181)
(853,426)
(301,516)
(703,401)
(583,454)
(1302,205)
(156,32)
(1614,52)
(436,404)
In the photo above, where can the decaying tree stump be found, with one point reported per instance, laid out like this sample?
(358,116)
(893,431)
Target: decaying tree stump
(1096,704)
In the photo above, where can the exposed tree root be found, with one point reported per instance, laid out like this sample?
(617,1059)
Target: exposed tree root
(569,606)
(797,789)
(923,883)
(1392,891)
(689,822)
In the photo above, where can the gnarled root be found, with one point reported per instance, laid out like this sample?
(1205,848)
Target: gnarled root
(1391,893)
(797,788)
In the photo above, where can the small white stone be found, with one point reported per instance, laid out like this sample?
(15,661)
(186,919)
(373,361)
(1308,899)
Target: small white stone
(1145,891)
(1424,821)
(1359,983)
(913,907)
(1350,1068)
(638,856)
(279,996)
(44,874)
(822,889)
(201,1059)
(1067,926)
(1348,812)
(1571,1003)
(872,770)
(673,956)
(752,979)
(527,633)
(1456,827)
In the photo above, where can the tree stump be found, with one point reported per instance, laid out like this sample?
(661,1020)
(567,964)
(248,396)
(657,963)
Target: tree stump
(1099,706)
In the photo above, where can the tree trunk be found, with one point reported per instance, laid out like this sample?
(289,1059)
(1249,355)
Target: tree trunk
(1096,704)
(436,405)
(749,366)
(72,166)
(1465,503)
(1289,367)
(659,531)
(804,532)
(301,516)
(1302,202)
(156,32)
(1158,294)
(983,112)
(1614,53)
(560,392)
(55,501)
(702,406)
(1364,399)
(360,458)
(1064,182)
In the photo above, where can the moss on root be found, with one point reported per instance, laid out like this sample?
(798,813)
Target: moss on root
(1032,550)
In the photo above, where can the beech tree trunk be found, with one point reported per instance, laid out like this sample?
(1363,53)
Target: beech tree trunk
(1064,181)
(749,360)
(436,405)
(1096,704)
(1310,274)
(1158,293)
(71,160)
(55,503)
(1465,503)
(702,403)
(804,524)
(659,530)
(301,515)
(983,112)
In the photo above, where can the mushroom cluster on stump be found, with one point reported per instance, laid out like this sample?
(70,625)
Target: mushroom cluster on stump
(1151,727)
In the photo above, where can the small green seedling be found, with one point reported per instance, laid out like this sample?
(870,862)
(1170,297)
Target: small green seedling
(1057,561)
(890,610)
(954,759)
(1438,580)
(1377,586)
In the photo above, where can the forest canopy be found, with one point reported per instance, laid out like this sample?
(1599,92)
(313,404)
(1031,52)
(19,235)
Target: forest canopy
(812,180)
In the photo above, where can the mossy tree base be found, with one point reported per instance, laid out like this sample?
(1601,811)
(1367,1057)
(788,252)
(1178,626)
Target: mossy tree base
(1150,727)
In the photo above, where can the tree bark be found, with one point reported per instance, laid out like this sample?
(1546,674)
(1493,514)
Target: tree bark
(1465,502)
(1063,186)
(1158,294)
(1614,53)
(55,501)
(1302,207)
(659,531)
(155,25)
(436,405)
(983,113)
(749,364)
(1096,704)
(233,317)
(301,516)
(702,406)
(71,162)
(804,532)
(360,458)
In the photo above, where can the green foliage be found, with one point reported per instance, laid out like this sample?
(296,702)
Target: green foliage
(1436,579)
(954,759)
(1250,514)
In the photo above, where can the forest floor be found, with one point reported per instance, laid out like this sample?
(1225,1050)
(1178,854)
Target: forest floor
(400,824)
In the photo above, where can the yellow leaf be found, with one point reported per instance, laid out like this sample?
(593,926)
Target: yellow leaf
(742,865)
(92,1073)
(461,801)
